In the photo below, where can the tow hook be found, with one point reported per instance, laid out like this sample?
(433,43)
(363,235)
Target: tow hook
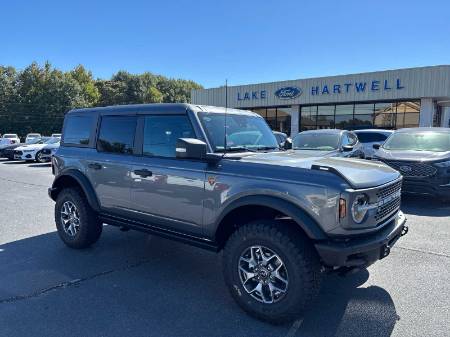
(404,230)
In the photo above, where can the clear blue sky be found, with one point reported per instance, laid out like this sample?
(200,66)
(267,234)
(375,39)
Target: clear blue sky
(244,41)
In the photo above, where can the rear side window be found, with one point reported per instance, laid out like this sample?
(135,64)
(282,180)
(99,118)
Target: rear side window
(117,134)
(162,132)
(77,129)
(371,137)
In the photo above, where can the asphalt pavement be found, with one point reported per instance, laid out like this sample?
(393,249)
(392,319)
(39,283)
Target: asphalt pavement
(133,284)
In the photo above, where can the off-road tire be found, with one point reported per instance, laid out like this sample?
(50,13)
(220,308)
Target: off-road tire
(299,257)
(90,227)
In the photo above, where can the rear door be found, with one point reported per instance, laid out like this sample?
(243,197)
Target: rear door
(167,191)
(109,170)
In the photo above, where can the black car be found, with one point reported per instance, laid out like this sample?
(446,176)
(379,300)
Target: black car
(422,156)
(8,152)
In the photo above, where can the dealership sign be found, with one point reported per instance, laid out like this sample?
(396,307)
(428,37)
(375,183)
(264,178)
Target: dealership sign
(287,93)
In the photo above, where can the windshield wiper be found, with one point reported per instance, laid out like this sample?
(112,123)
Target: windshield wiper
(237,149)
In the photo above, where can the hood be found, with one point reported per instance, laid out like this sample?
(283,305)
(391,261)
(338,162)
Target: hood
(358,173)
(411,155)
(31,147)
(316,153)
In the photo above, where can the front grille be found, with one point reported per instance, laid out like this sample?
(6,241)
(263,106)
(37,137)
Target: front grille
(412,169)
(388,200)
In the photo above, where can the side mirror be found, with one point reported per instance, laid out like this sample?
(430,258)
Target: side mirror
(347,148)
(376,146)
(190,148)
(287,144)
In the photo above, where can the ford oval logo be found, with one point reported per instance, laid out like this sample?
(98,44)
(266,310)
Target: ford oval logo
(405,168)
(288,92)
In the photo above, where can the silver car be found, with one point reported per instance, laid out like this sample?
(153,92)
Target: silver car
(370,137)
(328,143)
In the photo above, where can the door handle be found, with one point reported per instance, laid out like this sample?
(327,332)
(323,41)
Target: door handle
(95,166)
(143,173)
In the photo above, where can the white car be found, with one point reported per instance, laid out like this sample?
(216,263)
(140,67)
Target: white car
(10,138)
(47,152)
(31,137)
(33,152)
(369,137)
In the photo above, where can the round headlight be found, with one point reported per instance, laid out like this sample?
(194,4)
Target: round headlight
(359,208)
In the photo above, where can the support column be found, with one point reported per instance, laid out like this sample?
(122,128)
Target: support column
(445,122)
(295,120)
(426,112)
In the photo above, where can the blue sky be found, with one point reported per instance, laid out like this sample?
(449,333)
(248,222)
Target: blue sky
(244,41)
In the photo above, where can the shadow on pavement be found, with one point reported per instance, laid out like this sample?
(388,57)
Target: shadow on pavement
(41,165)
(425,205)
(131,284)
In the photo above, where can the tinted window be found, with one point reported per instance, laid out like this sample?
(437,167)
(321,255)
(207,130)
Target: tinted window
(371,137)
(77,129)
(162,132)
(117,134)
(316,141)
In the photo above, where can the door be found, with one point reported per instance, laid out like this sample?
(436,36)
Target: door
(109,168)
(166,191)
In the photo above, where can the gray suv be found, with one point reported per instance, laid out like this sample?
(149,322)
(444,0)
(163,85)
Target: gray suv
(217,179)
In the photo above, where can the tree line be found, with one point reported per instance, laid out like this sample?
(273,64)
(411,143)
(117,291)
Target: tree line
(36,98)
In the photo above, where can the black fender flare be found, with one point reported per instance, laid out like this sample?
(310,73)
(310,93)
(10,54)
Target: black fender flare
(296,213)
(82,181)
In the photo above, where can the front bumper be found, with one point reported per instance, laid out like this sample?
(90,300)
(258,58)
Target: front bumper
(362,251)
(25,156)
(434,187)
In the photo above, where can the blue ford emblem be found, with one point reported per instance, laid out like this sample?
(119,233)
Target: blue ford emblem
(288,92)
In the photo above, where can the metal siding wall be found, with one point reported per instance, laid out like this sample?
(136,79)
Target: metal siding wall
(418,82)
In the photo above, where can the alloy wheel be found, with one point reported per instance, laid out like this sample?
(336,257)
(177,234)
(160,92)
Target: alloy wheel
(70,218)
(263,274)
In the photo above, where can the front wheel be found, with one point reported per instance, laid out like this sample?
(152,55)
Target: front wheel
(39,158)
(271,271)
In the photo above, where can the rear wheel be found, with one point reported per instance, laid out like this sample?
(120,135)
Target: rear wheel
(77,224)
(271,271)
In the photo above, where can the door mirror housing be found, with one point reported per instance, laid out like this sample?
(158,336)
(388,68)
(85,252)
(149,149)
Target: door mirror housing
(347,148)
(376,146)
(190,148)
(287,144)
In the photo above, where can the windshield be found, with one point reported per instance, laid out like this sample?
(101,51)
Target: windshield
(419,141)
(9,136)
(244,132)
(52,140)
(33,135)
(316,141)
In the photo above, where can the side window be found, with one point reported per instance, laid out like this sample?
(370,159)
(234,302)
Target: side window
(162,132)
(77,129)
(117,134)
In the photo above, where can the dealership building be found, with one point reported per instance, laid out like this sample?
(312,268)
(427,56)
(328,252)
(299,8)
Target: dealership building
(389,99)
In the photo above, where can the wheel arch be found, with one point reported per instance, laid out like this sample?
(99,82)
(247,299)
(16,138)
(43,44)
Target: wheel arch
(256,207)
(75,178)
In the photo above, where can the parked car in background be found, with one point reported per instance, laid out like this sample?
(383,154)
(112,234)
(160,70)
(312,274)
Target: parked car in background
(369,137)
(48,151)
(56,135)
(8,151)
(32,136)
(422,156)
(32,152)
(281,138)
(328,143)
(12,137)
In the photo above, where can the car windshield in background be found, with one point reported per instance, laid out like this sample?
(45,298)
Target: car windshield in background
(369,137)
(316,141)
(9,136)
(244,132)
(53,140)
(420,141)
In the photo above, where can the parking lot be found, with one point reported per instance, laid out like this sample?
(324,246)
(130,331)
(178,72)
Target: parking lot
(132,284)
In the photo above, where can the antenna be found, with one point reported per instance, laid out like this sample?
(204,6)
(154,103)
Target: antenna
(225,119)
